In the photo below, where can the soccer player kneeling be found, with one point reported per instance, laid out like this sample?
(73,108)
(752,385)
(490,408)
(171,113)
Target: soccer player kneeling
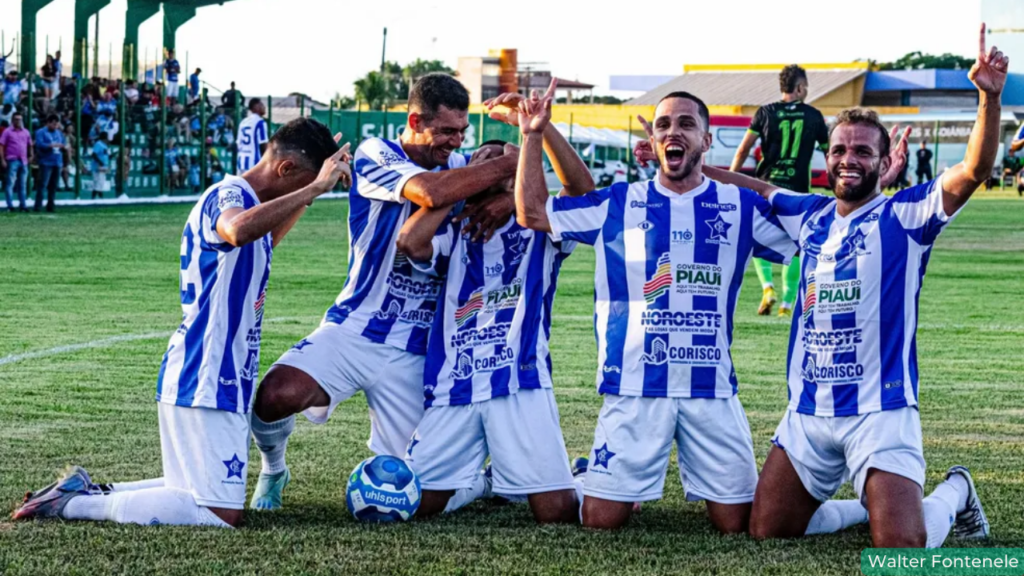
(487,379)
(853,376)
(209,372)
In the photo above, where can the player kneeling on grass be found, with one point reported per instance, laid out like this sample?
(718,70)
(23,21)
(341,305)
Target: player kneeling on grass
(853,377)
(487,379)
(209,372)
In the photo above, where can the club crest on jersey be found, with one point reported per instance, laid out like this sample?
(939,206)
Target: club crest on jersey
(855,244)
(469,310)
(719,230)
(463,367)
(809,369)
(515,245)
(657,354)
(660,281)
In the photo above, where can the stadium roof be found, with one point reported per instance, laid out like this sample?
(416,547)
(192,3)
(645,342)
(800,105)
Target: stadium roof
(746,88)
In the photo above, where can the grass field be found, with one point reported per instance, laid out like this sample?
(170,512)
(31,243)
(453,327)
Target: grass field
(109,277)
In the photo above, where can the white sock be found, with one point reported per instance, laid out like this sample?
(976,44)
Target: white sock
(137,485)
(464,496)
(941,508)
(836,515)
(272,440)
(577,484)
(168,506)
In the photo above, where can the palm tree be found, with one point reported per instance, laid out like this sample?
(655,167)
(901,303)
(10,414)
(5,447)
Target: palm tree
(373,90)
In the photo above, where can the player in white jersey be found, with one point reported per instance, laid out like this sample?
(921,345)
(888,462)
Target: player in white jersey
(671,254)
(252,136)
(487,380)
(375,335)
(207,378)
(852,372)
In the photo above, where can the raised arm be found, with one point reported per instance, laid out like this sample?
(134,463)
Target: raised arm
(749,139)
(437,189)
(989,75)
(239,227)
(416,236)
(531,189)
(572,172)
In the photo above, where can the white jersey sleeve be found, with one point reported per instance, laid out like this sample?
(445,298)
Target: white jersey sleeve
(225,198)
(794,208)
(384,169)
(580,218)
(771,241)
(920,211)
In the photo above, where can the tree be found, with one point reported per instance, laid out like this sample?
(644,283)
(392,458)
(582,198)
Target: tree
(373,90)
(920,61)
(414,71)
(343,102)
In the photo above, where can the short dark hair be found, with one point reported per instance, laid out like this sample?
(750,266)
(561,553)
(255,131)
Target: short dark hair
(52,118)
(494,142)
(864,117)
(789,77)
(702,108)
(437,89)
(307,138)
(253,103)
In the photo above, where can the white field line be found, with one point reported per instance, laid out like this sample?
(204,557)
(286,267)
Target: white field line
(106,342)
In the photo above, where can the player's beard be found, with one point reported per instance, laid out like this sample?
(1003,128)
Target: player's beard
(689,164)
(854,194)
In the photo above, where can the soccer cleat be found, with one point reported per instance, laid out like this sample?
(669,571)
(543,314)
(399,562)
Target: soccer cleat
(267,495)
(768,300)
(50,501)
(971,522)
(785,311)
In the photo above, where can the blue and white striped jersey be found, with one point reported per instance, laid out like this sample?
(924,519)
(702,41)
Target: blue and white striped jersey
(385,299)
(213,359)
(493,321)
(852,349)
(669,268)
(252,132)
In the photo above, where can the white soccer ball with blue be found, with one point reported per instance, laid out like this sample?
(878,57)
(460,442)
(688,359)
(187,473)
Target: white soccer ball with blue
(383,489)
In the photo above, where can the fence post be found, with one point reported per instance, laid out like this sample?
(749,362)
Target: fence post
(270,115)
(480,138)
(122,153)
(203,159)
(162,93)
(935,154)
(330,117)
(359,125)
(32,137)
(78,135)
(302,105)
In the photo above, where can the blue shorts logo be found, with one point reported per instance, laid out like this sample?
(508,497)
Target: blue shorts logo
(602,456)
(235,467)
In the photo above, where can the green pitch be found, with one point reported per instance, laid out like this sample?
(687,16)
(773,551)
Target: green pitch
(103,284)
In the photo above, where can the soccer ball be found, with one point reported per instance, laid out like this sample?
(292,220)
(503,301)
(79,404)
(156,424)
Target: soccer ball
(382,489)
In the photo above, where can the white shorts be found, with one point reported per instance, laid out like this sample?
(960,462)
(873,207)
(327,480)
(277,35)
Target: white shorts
(521,432)
(634,437)
(828,451)
(343,362)
(205,452)
(100,182)
(172,89)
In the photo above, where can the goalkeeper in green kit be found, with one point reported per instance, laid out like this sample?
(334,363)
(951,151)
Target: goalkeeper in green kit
(790,131)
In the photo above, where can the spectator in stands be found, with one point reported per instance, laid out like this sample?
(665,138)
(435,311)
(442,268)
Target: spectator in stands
(88,112)
(232,98)
(171,69)
(214,167)
(193,86)
(50,145)
(48,72)
(107,104)
(67,172)
(15,158)
(13,88)
(111,88)
(58,70)
(172,155)
(131,92)
(4,57)
(100,166)
(105,124)
(6,112)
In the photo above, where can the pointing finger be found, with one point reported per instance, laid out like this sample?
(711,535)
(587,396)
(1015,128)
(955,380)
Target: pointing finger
(551,88)
(646,125)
